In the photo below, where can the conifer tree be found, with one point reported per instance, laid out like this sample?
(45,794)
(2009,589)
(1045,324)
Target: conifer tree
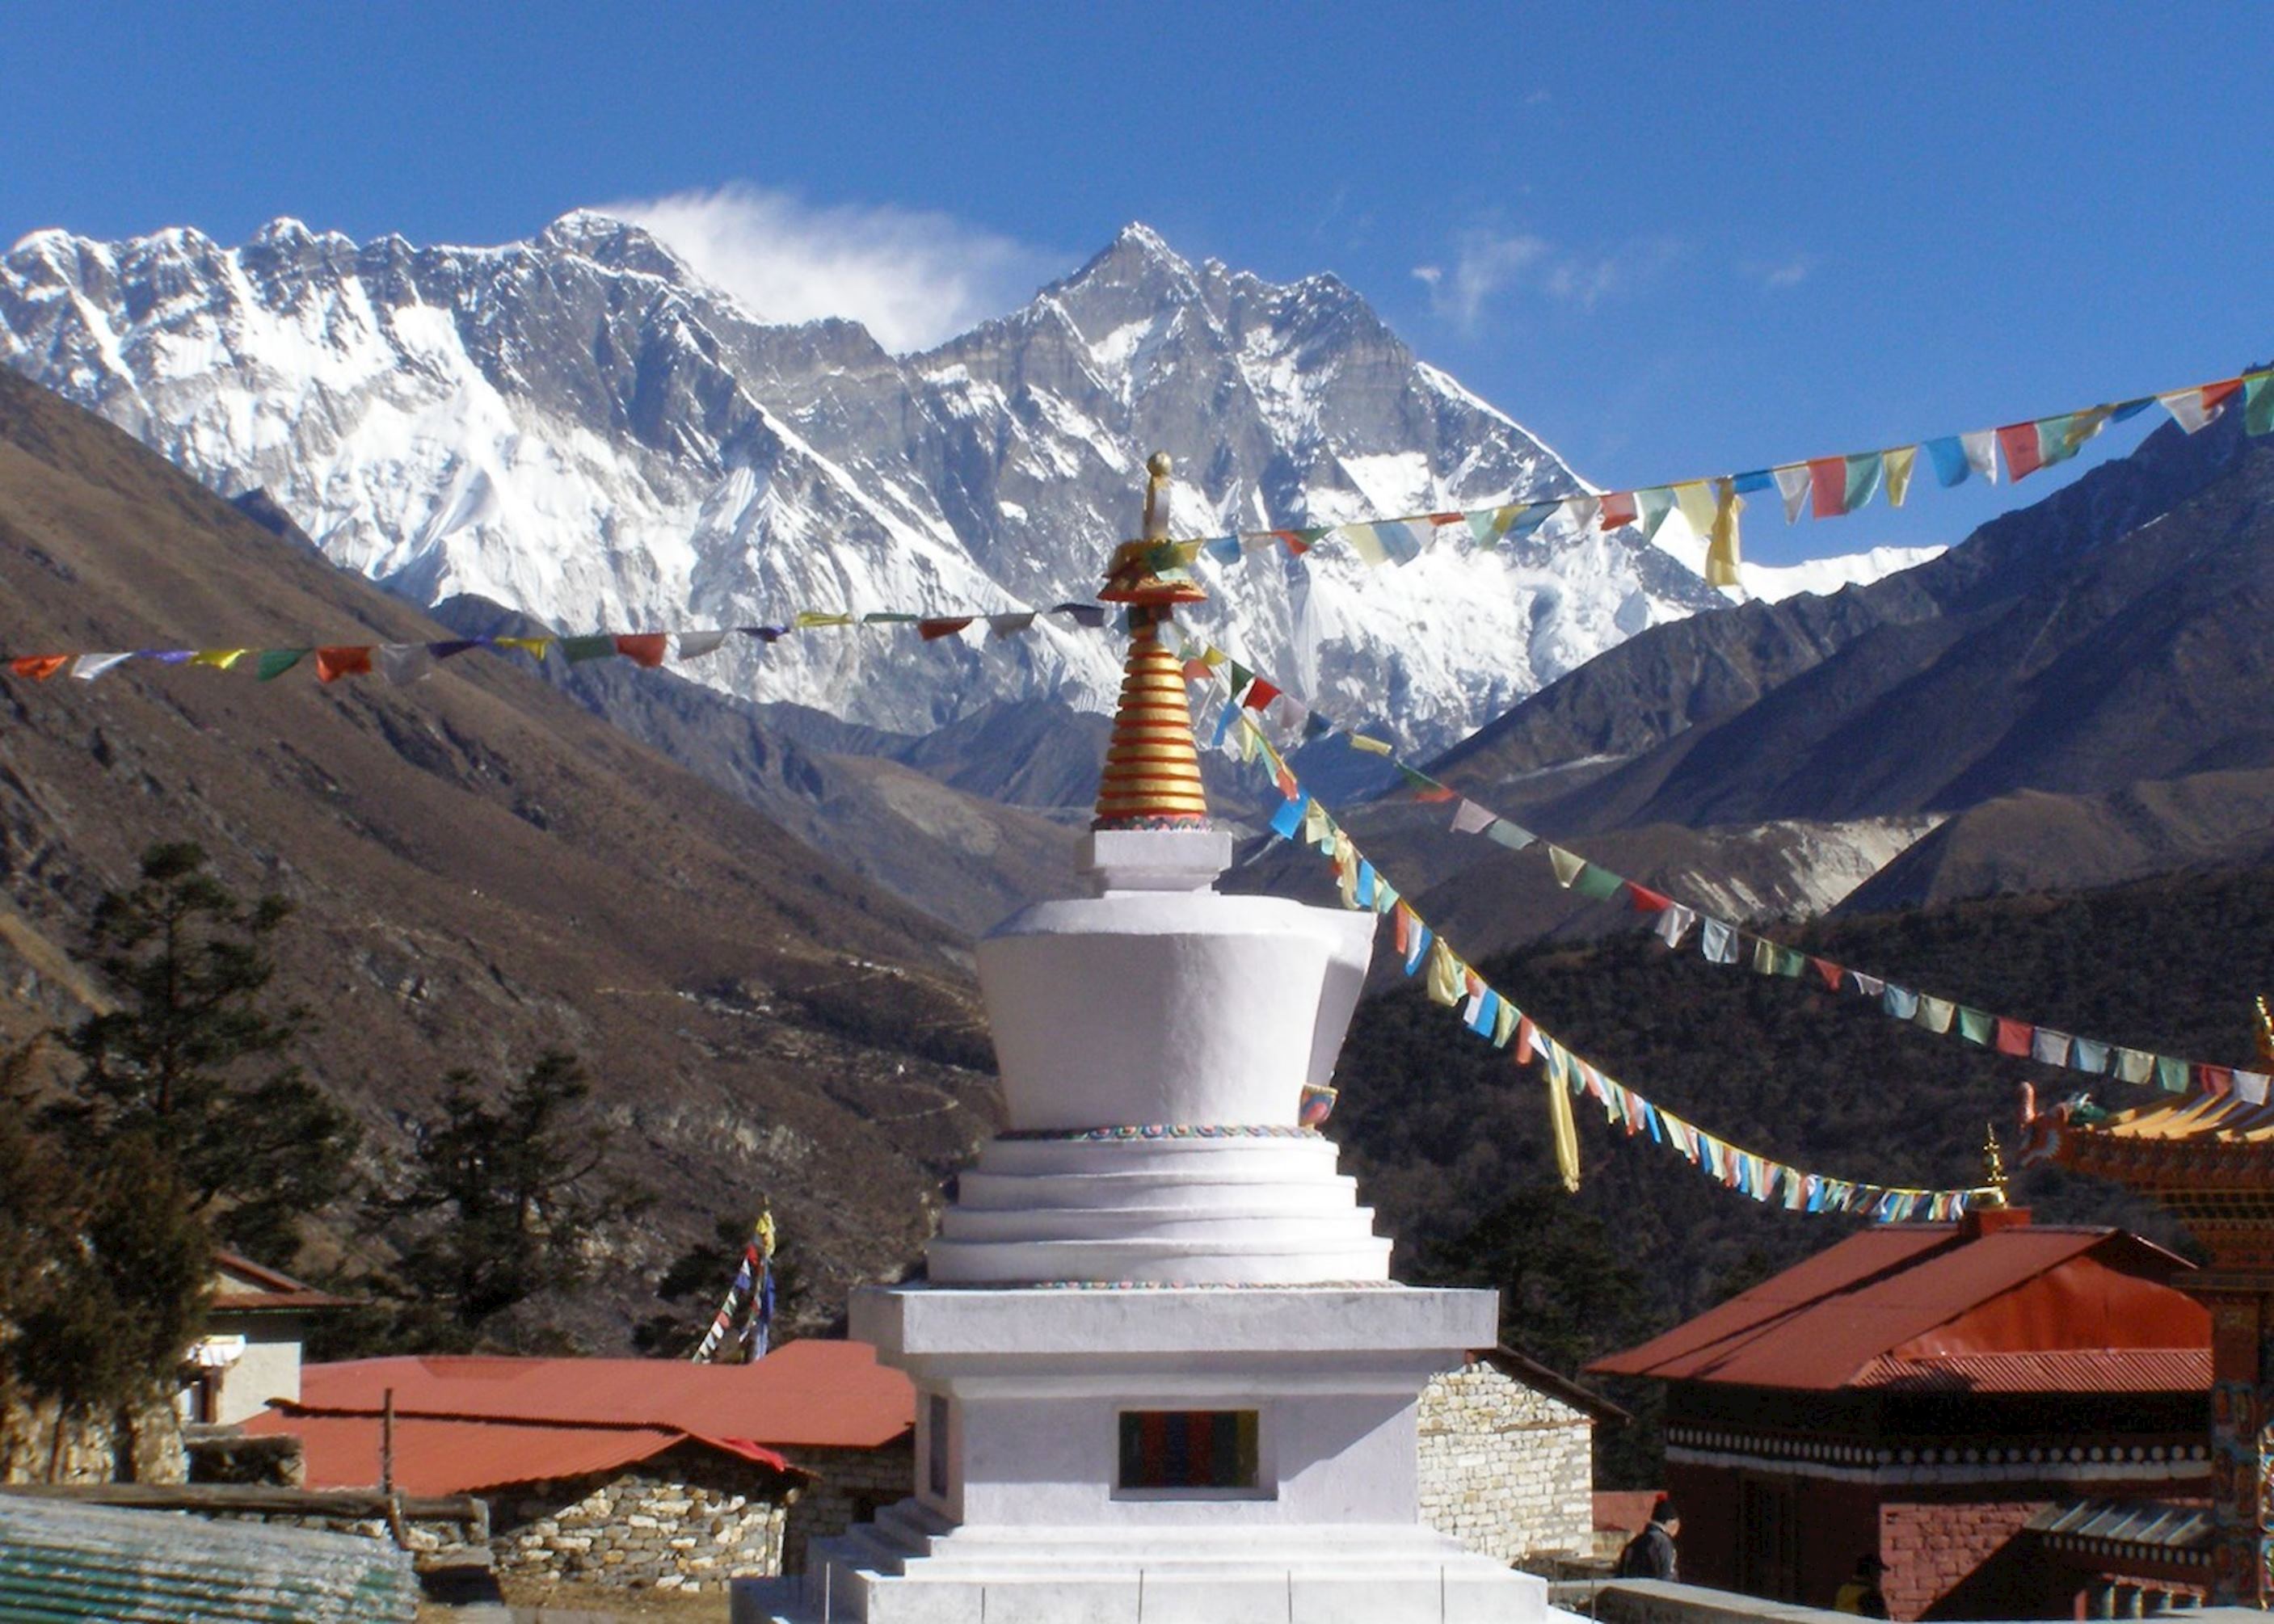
(192,1060)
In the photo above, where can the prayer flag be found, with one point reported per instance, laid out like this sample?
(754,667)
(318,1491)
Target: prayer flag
(946,626)
(1827,487)
(1469,818)
(1868,985)
(1790,962)
(887,617)
(1977,1026)
(1828,971)
(645,649)
(1487,525)
(1364,542)
(1936,1014)
(1407,538)
(1950,461)
(1566,864)
(2014,1036)
(2058,437)
(2019,442)
(1424,787)
(2251,1087)
(577,650)
(1674,923)
(221,659)
(1982,453)
(1525,1032)
(1092,615)
(275,662)
(1486,1015)
(2214,1080)
(1654,505)
(1696,501)
(1223,549)
(1618,509)
(1445,980)
(534,647)
(1598,885)
(2088,1054)
(88,667)
(1901,1003)
(1531,517)
(1580,510)
(1764,956)
(1504,1019)
(2049,1047)
(695,645)
(1289,818)
(1372,747)
(2258,407)
(1565,1132)
(1899,463)
(334,663)
(2134,1065)
(1717,941)
(2170,1075)
(775,633)
(2190,409)
(806,618)
(1259,694)
(1513,835)
(1721,560)
(1865,469)
(1365,882)
(1644,900)
(1001,626)
(1753,482)
(1792,484)
(402,662)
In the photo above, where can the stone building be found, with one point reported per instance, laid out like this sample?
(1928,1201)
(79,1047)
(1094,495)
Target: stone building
(249,1354)
(643,1472)
(1507,1459)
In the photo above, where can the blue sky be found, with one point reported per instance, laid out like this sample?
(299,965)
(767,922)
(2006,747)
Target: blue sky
(1673,239)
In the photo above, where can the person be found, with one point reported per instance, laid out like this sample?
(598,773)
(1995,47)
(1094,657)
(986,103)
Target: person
(1861,1594)
(1651,1554)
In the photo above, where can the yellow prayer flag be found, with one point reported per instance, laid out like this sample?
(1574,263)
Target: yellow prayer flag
(1721,560)
(1446,975)
(1696,501)
(812,617)
(1566,1133)
(1372,747)
(534,647)
(1898,466)
(1365,544)
(219,658)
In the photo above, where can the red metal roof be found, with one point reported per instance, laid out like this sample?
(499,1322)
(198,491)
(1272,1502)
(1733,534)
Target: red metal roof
(2082,1370)
(816,1393)
(464,1457)
(1999,1285)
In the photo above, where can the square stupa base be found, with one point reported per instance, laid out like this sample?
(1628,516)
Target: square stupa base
(1019,1517)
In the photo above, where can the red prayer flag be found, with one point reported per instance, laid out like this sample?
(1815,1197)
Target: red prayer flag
(2023,455)
(39,667)
(1618,508)
(1828,486)
(931,631)
(1259,694)
(2215,1080)
(342,660)
(1831,972)
(2217,394)
(642,647)
(1399,915)
(2015,1036)
(1646,900)
(1294,543)
(1525,1032)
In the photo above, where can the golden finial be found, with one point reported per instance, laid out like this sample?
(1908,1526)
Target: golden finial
(1152,778)
(2265,1030)
(1993,1169)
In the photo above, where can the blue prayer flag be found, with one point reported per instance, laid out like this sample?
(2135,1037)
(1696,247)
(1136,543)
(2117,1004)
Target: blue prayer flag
(1949,457)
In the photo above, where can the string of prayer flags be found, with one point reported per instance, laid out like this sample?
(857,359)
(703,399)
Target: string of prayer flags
(1721,941)
(1826,487)
(402,662)
(1484,1010)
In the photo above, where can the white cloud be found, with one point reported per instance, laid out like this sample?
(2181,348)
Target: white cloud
(1488,264)
(911,277)
(1782,273)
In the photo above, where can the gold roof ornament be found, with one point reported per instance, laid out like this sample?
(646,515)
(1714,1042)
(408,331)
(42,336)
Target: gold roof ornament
(2265,1031)
(1993,1170)
(1152,778)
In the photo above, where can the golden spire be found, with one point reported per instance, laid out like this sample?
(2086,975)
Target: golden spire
(1993,1170)
(2265,1030)
(1152,778)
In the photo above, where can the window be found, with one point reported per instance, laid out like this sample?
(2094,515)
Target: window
(1188,1449)
(935,1446)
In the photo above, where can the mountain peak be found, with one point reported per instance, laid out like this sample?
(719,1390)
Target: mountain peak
(618,244)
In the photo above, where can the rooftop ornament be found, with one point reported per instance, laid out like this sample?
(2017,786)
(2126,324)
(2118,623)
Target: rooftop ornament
(1152,778)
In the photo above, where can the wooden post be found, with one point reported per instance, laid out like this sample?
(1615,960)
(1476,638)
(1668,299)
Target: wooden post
(386,1443)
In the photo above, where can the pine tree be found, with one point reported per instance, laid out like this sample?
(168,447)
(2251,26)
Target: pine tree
(504,1205)
(190,1062)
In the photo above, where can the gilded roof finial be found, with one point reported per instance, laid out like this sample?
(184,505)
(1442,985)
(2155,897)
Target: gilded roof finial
(1993,1169)
(1152,778)
(2265,1030)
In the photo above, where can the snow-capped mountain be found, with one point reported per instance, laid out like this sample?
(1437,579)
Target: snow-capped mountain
(580,428)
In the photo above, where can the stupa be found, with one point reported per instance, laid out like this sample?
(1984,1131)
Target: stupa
(1163,1372)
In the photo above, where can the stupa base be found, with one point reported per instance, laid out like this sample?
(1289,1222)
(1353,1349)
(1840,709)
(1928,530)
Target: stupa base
(912,1566)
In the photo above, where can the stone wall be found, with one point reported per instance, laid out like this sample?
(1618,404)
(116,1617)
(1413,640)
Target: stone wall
(136,1444)
(688,1519)
(1506,1469)
(848,1487)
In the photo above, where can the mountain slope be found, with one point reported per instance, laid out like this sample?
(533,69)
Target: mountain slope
(579,428)
(479,869)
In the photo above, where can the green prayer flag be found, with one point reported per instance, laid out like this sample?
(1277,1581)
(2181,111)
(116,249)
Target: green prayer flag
(1652,506)
(1864,469)
(888,618)
(275,662)
(1977,1026)
(2170,1075)
(1790,961)
(1240,678)
(577,649)
(2258,402)
(2055,443)
(1597,883)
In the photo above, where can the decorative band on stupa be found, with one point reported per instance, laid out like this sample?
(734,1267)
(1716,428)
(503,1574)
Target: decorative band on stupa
(1152,778)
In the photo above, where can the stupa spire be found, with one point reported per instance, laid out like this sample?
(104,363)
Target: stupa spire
(1152,778)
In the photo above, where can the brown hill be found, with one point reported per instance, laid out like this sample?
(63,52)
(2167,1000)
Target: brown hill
(480,870)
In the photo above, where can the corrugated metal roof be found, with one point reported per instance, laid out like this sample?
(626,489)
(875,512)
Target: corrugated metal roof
(814,1392)
(2142,1524)
(2073,1369)
(433,1456)
(2226,1118)
(86,1563)
(1922,1289)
